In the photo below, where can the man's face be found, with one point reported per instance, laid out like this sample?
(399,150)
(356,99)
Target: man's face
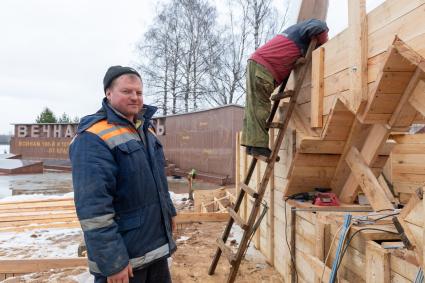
(125,95)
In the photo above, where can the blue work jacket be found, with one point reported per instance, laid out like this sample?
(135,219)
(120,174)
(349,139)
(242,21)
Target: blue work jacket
(121,191)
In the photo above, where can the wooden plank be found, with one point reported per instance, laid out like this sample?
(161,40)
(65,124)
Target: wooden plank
(317,9)
(338,124)
(417,98)
(386,189)
(423,230)
(357,53)
(413,233)
(317,91)
(270,214)
(24,205)
(325,160)
(53,217)
(227,252)
(34,201)
(318,266)
(377,263)
(37,222)
(375,139)
(404,114)
(356,137)
(316,145)
(237,218)
(319,247)
(74,224)
(201,217)
(367,180)
(39,265)
(389,11)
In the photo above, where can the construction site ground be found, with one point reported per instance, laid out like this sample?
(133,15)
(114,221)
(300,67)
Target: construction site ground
(195,241)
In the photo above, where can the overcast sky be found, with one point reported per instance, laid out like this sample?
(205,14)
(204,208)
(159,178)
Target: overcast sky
(55,52)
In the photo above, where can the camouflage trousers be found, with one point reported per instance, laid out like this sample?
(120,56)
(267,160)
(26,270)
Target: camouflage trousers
(259,87)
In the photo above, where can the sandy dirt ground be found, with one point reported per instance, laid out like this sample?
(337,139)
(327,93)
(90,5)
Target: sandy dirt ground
(196,242)
(196,246)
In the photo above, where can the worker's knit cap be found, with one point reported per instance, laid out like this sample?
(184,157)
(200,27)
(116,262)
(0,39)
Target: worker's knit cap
(114,72)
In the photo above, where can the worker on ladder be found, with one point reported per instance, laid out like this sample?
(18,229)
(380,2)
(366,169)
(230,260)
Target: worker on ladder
(269,66)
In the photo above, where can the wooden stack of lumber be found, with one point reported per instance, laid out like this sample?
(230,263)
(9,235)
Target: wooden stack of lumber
(38,214)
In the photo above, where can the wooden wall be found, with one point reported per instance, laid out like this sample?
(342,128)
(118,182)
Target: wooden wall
(405,169)
(393,17)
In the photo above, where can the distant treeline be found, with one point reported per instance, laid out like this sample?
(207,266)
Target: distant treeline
(4,139)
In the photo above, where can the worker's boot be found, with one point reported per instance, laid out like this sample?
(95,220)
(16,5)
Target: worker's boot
(264,151)
(248,149)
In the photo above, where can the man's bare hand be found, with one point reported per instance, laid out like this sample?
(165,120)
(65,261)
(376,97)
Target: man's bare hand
(122,276)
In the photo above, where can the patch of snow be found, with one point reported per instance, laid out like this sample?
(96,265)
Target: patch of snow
(84,277)
(252,254)
(36,197)
(182,239)
(41,243)
(179,198)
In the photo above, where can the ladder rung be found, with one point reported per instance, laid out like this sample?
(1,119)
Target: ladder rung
(237,218)
(249,190)
(276,125)
(227,252)
(282,95)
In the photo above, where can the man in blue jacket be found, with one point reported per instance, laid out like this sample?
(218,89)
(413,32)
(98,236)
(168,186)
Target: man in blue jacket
(121,191)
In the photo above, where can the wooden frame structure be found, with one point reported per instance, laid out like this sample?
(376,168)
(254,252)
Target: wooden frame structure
(366,90)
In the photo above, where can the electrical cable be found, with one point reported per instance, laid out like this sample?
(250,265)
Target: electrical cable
(286,239)
(329,252)
(351,238)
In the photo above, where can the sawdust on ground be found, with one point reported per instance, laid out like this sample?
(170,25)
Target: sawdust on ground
(195,252)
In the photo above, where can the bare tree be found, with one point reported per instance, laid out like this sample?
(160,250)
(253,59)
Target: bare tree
(228,72)
(189,61)
(265,20)
(199,38)
(160,53)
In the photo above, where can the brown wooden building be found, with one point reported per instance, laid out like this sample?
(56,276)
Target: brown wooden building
(203,140)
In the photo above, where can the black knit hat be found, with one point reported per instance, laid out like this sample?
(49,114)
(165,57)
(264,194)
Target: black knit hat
(114,72)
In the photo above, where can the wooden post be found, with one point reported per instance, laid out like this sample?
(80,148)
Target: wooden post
(364,176)
(319,248)
(417,98)
(377,264)
(423,230)
(245,172)
(293,245)
(357,26)
(317,91)
(374,141)
(317,9)
(271,207)
(190,181)
(258,232)
(238,163)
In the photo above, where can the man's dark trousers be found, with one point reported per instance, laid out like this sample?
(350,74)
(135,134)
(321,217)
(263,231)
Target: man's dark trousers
(156,272)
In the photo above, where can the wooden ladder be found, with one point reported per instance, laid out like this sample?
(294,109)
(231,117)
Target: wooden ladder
(251,226)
